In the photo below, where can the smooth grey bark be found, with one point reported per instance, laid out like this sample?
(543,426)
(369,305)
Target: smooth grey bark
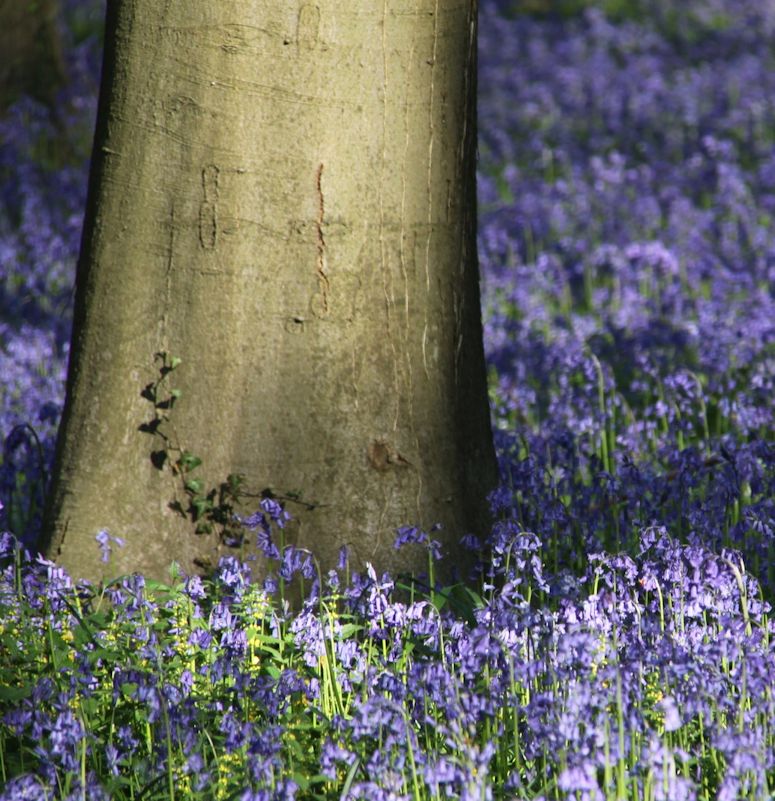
(283,196)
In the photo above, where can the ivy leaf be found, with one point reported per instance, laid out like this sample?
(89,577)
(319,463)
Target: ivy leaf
(194,486)
(188,462)
(201,506)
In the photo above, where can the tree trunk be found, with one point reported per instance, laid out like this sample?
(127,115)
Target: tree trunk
(283,196)
(31,60)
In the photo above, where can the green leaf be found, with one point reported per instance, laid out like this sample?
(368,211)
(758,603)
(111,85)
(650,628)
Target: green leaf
(234,480)
(188,462)
(156,586)
(194,486)
(201,506)
(349,778)
(347,630)
(128,689)
(318,778)
(297,748)
(15,693)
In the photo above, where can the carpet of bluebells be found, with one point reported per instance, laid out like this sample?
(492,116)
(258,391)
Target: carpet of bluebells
(615,641)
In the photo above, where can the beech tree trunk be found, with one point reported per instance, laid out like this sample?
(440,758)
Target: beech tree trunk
(282,196)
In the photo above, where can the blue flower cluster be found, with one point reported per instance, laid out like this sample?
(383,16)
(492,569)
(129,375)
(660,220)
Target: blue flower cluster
(627,241)
(648,676)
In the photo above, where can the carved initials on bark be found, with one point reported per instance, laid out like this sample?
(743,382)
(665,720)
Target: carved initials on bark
(308,30)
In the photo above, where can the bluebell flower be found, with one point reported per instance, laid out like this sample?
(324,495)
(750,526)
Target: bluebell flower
(296,560)
(256,795)
(104,541)
(332,755)
(672,715)
(195,588)
(233,575)
(112,759)
(65,739)
(26,787)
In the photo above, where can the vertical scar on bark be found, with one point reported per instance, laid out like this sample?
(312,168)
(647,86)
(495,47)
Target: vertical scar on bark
(61,543)
(321,244)
(163,346)
(208,208)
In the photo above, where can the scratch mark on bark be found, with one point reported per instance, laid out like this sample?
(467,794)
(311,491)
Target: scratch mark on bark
(424,349)
(429,182)
(354,375)
(387,283)
(402,232)
(208,208)
(468,195)
(432,131)
(163,344)
(407,344)
(61,537)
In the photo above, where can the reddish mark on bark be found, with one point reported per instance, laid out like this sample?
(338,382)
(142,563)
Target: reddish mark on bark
(321,243)
(382,456)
